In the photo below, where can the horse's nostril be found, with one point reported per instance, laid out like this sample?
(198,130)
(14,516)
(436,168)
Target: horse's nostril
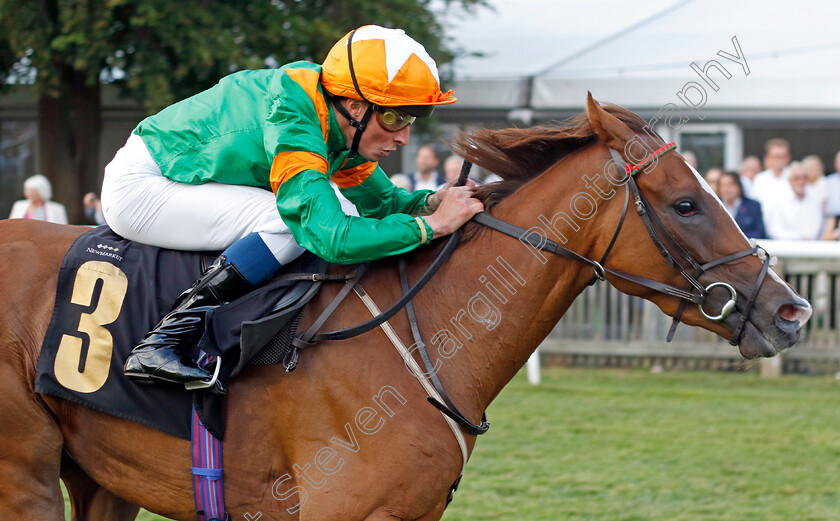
(788,312)
(794,313)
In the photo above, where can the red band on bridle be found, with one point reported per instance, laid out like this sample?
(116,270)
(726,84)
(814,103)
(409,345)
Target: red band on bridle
(638,167)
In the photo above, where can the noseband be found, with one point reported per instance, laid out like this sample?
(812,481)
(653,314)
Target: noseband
(689,268)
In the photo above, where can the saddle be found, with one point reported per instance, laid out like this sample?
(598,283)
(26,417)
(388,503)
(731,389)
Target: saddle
(111,291)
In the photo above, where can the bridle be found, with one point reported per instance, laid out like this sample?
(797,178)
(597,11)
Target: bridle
(692,274)
(696,293)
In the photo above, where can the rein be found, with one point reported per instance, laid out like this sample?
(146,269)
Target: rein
(311,336)
(696,293)
(438,396)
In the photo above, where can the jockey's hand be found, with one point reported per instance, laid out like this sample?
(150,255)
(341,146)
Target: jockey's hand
(457,206)
(437,197)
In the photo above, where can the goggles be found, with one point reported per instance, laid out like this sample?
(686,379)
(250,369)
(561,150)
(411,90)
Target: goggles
(392,119)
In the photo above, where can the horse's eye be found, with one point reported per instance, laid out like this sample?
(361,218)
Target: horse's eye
(685,208)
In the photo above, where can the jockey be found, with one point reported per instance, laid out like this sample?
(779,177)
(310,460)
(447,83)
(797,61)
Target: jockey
(269,163)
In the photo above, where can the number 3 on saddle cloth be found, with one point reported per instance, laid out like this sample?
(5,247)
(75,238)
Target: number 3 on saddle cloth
(111,291)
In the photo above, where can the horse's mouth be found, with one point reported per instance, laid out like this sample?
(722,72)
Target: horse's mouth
(755,344)
(771,337)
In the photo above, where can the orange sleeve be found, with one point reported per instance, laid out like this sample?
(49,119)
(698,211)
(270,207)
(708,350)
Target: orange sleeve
(286,165)
(354,176)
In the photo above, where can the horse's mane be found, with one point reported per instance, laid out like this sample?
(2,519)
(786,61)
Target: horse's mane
(518,155)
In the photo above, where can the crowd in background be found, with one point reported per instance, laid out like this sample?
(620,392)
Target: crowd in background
(781,199)
(777,199)
(428,176)
(774,199)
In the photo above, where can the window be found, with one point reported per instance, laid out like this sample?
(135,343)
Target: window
(18,156)
(716,145)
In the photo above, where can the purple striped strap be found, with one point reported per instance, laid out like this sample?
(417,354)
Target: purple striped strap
(206,472)
(210,473)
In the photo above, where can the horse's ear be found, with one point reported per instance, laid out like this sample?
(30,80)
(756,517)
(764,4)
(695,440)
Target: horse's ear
(611,130)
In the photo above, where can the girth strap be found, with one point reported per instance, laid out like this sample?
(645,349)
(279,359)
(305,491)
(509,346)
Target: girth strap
(317,277)
(311,336)
(308,338)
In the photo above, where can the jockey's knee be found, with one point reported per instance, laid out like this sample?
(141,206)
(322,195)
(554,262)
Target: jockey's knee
(282,246)
(258,256)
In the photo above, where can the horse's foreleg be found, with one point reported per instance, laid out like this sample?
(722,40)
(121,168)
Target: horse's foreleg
(30,455)
(89,501)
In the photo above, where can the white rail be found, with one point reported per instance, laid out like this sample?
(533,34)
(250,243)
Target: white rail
(605,323)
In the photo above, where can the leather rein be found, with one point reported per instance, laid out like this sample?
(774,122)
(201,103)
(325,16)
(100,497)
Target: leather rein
(696,293)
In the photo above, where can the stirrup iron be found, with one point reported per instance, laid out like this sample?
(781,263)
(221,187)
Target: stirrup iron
(204,384)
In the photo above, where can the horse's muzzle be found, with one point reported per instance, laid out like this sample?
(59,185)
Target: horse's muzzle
(768,336)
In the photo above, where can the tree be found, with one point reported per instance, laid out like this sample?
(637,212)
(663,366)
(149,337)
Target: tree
(161,51)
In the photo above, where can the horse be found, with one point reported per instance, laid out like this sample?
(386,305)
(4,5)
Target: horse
(349,435)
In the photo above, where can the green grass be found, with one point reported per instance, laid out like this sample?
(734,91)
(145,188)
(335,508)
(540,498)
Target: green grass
(626,446)
(633,446)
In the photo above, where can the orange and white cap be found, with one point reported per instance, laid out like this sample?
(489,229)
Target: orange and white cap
(390,69)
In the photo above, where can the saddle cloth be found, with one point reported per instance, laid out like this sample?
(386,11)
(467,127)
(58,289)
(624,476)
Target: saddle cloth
(111,291)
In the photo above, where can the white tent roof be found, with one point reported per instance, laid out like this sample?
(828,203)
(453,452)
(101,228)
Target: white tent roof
(792,50)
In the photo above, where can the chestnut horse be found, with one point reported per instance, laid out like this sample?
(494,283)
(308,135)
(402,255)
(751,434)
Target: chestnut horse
(350,435)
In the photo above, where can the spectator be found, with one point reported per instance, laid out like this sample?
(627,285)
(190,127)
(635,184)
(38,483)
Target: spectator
(452,168)
(426,177)
(745,211)
(93,209)
(832,203)
(773,183)
(491,178)
(712,177)
(795,214)
(401,181)
(38,205)
(452,171)
(691,158)
(816,176)
(750,167)
(831,232)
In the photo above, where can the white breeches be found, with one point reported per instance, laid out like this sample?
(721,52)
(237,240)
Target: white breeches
(142,205)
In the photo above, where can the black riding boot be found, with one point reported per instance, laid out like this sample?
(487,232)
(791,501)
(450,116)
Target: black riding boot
(162,353)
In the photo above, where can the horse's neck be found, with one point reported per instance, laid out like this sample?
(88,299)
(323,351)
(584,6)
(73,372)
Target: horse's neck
(497,299)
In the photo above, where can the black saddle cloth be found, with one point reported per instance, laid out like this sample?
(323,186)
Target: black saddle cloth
(111,291)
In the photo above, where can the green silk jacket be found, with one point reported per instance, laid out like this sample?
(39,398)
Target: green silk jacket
(274,129)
